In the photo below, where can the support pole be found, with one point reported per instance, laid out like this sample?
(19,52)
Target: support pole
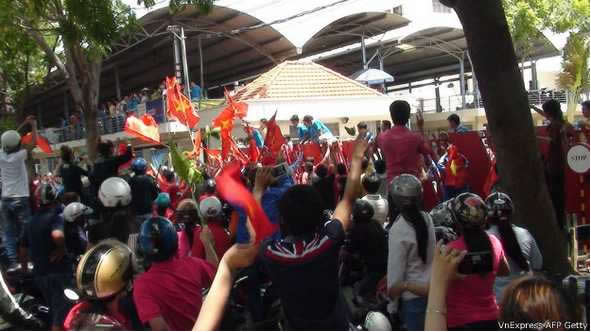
(462,82)
(117,83)
(474,83)
(437,96)
(534,75)
(178,70)
(185,67)
(363,56)
(201,70)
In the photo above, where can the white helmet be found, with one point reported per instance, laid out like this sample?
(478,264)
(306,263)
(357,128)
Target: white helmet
(75,210)
(210,207)
(376,321)
(10,140)
(115,192)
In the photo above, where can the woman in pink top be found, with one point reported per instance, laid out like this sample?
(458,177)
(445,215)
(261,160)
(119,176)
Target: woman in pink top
(471,302)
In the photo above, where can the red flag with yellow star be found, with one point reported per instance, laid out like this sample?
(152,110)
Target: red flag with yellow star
(178,105)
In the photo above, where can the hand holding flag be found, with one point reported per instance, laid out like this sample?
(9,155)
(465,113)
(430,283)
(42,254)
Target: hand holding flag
(231,189)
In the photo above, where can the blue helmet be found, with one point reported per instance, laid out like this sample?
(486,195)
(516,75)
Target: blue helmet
(158,240)
(139,165)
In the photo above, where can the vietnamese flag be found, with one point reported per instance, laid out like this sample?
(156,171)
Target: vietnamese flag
(178,105)
(225,121)
(145,128)
(239,109)
(42,142)
(232,190)
(274,139)
(491,179)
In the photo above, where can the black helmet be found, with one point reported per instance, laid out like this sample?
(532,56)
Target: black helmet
(167,173)
(362,210)
(158,240)
(499,205)
(46,193)
(468,210)
(210,186)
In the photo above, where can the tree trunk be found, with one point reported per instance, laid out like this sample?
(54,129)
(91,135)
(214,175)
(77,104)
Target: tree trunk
(571,105)
(90,113)
(511,125)
(84,84)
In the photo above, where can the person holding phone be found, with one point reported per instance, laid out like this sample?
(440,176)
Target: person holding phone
(471,301)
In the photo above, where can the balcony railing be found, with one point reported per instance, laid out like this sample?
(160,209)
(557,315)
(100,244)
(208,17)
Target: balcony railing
(454,103)
(105,124)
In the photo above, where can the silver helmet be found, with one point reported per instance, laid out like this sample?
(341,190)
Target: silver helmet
(406,190)
(10,140)
(376,321)
(115,192)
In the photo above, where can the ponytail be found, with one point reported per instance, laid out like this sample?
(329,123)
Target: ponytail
(510,244)
(416,219)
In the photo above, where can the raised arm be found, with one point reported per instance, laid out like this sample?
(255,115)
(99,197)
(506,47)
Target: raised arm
(538,110)
(214,306)
(443,270)
(208,241)
(352,188)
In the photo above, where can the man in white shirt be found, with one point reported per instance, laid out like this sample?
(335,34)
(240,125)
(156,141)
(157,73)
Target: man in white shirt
(16,209)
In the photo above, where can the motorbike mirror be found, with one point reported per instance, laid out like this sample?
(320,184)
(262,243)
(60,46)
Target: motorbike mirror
(71,294)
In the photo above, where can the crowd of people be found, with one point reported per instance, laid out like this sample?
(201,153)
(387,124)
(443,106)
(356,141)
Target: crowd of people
(136,252)
(117,110)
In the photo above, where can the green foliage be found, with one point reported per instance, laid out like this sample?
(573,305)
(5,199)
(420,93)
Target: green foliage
(177,5)
(575,64)
(526,18)
(7,123)
(185,168)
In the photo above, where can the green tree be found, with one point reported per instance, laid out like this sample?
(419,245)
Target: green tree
(22,65)
(526,18)
(86,30)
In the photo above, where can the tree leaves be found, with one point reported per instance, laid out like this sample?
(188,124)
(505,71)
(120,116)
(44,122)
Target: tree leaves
(575,64)
(526,18)
(185,168)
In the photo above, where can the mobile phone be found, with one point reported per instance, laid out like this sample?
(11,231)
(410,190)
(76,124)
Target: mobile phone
(476,262)
(280,170)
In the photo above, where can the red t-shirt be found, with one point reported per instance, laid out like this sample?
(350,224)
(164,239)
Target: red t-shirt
(472,299)
(220,236)
(172,289)
(401,148)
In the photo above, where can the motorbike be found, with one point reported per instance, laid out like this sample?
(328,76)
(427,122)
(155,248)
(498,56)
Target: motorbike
(239,316)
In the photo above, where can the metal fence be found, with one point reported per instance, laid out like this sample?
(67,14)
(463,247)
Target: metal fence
(105,124)
(454,103)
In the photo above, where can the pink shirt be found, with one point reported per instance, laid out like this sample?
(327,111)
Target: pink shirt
(401,148)
(472,299)
(172,289)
